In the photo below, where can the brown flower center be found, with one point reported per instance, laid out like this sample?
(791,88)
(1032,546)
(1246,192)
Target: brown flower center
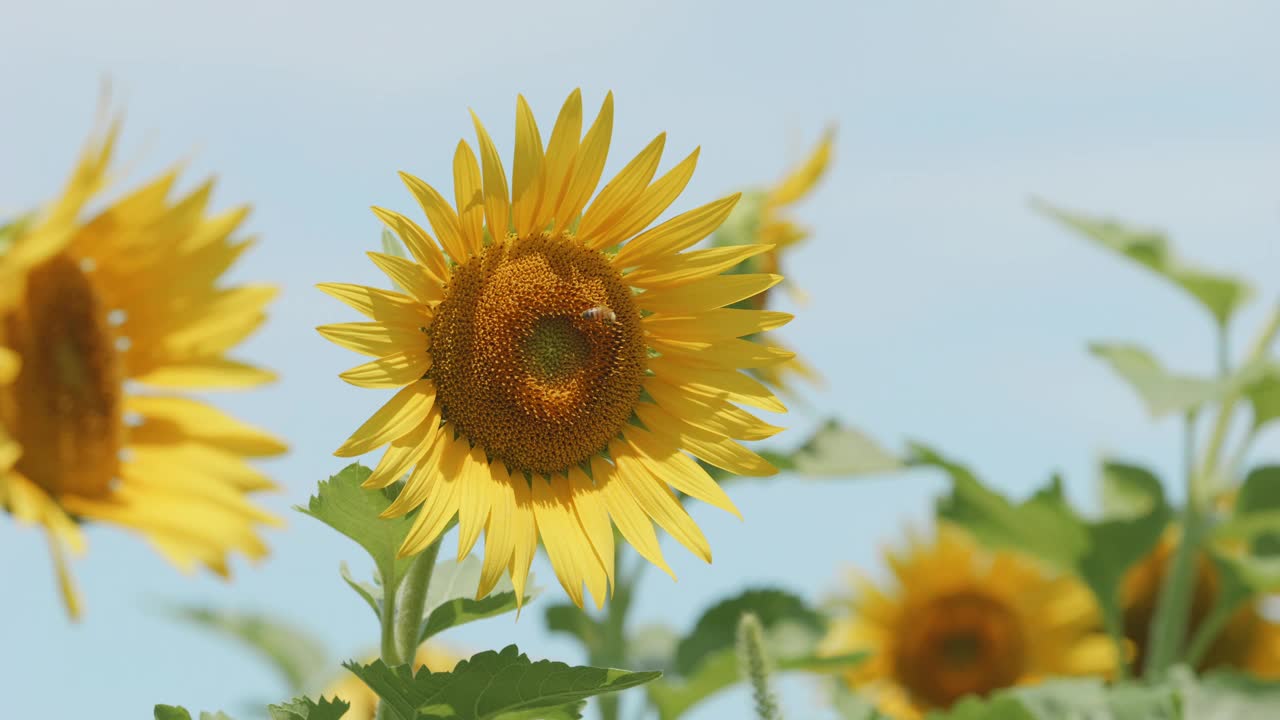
(537,352)
(65,405)
(959,644)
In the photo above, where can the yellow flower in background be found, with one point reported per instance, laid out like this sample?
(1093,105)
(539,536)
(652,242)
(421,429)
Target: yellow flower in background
(959,620)
(103,323)
(364,703)
(773,228)
(1248,642)
(554,365)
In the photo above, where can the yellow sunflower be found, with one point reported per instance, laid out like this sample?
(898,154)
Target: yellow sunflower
(1248,642)
(556,364)
(364,702)
(102,323)
(781,234)
(963,621)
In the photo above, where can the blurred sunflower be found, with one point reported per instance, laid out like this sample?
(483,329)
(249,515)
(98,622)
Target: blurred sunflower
(102,322)
(762,220)
(555,364)
(962,621)
(364,702)
(1248,642)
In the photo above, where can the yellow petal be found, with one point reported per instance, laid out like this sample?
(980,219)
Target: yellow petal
(442,456)
(562,149)
(709,413)
(678,470)
(678,269)
(376,304)
(420,244)
(720,354)
(588,166)
(707,294)
(173,420)
(374,338)
(524,529)
(652,495)
(632,522)
(652,203)
(801,181)
(707,446)
(594,518)
(205,373)
(560,532)
(9,364)
(497,210)
(526,173)
(499,537)
(404,453)
(675,234)
(409,275)
(726,384)
(66,584)
(395,370)
(715,324)
(473,508)
(400,415)
(622,192)
(438,509)
(440,214)
(469,194)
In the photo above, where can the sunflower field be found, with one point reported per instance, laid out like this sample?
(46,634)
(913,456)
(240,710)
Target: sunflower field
(965,406)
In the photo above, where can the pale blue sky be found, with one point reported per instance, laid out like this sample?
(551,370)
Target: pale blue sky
(941,307)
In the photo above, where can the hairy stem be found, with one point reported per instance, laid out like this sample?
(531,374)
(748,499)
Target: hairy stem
(753,661)
(413,600)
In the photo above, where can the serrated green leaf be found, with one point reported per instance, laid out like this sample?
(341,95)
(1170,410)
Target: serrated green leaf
(716,629)
(1161,391)
(451,596)
(304,708)
(837,450)
(491,686)
(293,651)
(171,712)
(343,505)
(1220,294)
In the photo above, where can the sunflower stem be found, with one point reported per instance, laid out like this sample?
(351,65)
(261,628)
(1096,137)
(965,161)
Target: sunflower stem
(753,661)
(610,651)
(1212,626)
(413,600)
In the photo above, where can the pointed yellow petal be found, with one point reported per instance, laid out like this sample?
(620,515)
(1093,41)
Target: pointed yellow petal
(706,294)
(374,338)
(420,244)
(588,166)
(400,415)
(205,373)
(621,193)
(729,385)
(524,530)
(651,203)
(438,509)
(473,509)
(468,193)
(559,531)
(632,522)
(440,214)
(718,324)
(720,354)
(376,304)
(497,209)
(707,446)
(678,470)
(681,268)
(801,181)
(404,453)
(709,413)
(66,585)
(526,173)
(178,420)
(395,370)
(499,538)
(652,495)
(426,475)
(409,275)
(562,149)
(594,518)
(676,234)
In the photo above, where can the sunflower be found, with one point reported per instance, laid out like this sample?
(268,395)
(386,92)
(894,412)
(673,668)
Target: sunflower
(555,365)
(364,703)
(102,323)
(1248,642)
(771,227)
(964,621)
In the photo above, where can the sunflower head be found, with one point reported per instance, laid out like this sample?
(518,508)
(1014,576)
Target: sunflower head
(558,361)
(959,621)
(1249,641)
(103,322)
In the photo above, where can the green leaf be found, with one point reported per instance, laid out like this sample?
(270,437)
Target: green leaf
(171,712)
(391,244)
(1263,393)
(491,686)
(451,596)
(742,227)
(842,451)
(304,708)
(371,594)
(1129,490)
(1220,294)
(294,652)
(343,505)
(716,629)
(1162,392)
(572,620)
(1223,695)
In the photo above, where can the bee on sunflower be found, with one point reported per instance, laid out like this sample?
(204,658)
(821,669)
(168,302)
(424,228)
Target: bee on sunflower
(105,321)
(559,363)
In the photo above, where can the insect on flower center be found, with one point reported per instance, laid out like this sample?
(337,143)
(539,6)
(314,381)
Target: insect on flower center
(537,352)
(70,387)
(959,644)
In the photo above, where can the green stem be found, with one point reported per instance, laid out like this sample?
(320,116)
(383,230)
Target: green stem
(1114,624)
(390,653)
(1173,607)
(413,600)
(754,662)
(1212,626)
(1224,352)
(610,651)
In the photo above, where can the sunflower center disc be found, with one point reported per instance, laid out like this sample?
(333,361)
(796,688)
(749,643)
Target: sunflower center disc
(537,352)
(960,644)
(69,389)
